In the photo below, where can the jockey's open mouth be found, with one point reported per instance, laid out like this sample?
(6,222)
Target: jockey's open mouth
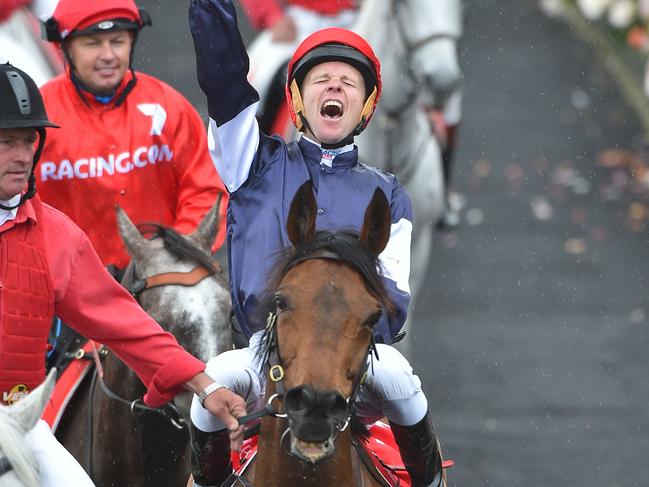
(332,109)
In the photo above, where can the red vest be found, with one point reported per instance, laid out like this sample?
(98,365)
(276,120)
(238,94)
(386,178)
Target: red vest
(26,307)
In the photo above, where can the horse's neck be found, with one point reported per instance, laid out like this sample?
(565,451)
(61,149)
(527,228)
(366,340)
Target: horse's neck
(372,14)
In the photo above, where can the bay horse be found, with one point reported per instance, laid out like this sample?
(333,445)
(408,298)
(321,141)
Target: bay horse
(18,465)
(114,437)
(323,300)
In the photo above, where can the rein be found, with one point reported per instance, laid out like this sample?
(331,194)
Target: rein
(136,406)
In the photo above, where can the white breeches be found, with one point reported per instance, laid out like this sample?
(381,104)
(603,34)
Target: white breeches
(58,467)
(391,390)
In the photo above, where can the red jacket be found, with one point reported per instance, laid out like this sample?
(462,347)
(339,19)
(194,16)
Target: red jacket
(72,281)
(265,13)
(8,7)
(148,156)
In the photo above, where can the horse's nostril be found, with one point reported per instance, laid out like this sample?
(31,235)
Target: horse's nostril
(299,398)
(337,404)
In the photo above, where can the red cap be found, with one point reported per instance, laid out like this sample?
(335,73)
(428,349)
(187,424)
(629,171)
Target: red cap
(311,50)
(74,16)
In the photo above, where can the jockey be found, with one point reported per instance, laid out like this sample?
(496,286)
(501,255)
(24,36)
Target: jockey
(333,86)
(48,265)
(289,22)
(127,138)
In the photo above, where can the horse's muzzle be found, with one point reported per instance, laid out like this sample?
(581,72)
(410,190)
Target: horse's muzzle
(315,418)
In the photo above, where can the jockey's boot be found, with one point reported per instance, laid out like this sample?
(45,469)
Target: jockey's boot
(211,463)
(420,452)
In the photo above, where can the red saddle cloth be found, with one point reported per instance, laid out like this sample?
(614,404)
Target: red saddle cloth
(66,385)
(380,447)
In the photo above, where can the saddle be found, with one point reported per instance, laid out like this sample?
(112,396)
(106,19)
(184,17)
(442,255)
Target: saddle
(67,383)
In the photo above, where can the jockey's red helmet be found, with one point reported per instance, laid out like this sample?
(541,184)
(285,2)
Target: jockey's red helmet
(82,17)
(333,44)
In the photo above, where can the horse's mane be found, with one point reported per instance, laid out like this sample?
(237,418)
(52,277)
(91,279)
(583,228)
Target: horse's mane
(177,244)
(349,250)
(19,455)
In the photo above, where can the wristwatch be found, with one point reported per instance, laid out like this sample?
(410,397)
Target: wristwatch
(207,391)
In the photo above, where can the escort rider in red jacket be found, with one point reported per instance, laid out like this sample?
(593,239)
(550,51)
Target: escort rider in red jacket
(127,139)
(47,265)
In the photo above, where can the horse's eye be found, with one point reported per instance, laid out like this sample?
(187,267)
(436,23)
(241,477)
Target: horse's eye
(280,303)
(373,319)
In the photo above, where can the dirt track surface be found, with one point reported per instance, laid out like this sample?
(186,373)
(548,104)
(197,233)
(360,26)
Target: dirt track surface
(531,336)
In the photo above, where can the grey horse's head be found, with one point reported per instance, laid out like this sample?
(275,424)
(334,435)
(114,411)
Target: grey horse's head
(197,315)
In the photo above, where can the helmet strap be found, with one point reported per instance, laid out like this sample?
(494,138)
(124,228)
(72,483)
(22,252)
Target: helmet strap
(368,109)
(298,106)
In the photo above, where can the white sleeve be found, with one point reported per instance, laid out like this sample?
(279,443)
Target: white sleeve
(233,146)
(395,258)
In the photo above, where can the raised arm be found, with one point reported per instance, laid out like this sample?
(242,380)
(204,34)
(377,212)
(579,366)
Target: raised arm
(222,67)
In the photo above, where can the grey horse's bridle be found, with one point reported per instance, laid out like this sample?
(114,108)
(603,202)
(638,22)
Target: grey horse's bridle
(419,43)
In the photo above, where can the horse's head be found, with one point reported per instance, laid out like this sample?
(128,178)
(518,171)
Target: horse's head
(179,283)
(18,465)
(416,41)
(431,31)
(326,297)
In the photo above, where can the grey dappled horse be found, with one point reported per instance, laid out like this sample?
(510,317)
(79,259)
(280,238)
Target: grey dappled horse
(122,448)
(18,465)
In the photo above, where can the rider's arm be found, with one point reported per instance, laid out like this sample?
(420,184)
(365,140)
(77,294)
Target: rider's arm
(395,260)
(198,183)
(95,305)
(222,67)
(262,13)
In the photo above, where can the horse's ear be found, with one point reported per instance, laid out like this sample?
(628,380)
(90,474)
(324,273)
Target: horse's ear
(375,232)
(205,233)
(28,410)
(133,239)
(302,215)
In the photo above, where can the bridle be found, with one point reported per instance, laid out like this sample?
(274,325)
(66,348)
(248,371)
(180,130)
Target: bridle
(276,372)
(419,43)
(189,279)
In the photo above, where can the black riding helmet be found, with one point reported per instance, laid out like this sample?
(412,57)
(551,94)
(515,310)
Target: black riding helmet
(21,106)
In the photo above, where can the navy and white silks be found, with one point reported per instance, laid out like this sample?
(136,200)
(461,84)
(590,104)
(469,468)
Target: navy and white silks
(263,174)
